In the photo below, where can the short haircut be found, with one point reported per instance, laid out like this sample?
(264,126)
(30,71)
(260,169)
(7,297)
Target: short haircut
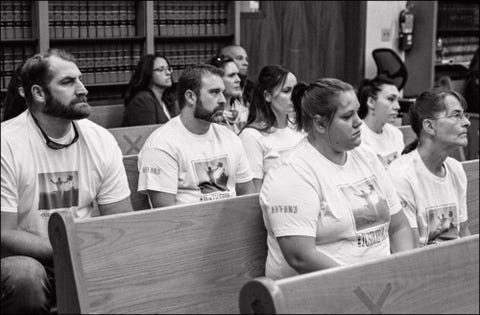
(191,79)
(36,70)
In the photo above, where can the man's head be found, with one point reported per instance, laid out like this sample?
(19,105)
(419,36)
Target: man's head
(52,84)
(200,88)
(239,56)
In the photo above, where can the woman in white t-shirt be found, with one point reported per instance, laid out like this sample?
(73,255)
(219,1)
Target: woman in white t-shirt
(330,202)
(379,107)
(431,185)
(269,134)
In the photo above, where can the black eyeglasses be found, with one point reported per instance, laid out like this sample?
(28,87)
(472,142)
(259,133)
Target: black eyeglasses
(55,145)
(163,69)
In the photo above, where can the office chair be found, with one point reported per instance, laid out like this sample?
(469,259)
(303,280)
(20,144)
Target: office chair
(390,65)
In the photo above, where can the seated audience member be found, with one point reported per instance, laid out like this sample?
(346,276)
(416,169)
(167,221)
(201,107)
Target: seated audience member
(190,159)
(330,202)
(431,185)
(52,160)
(269,134)
(379,107)
(235,114)
(147,101)
(472,90)
(240,57)
(14,103)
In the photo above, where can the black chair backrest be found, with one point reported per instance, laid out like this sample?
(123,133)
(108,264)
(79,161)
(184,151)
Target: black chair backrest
(390,65)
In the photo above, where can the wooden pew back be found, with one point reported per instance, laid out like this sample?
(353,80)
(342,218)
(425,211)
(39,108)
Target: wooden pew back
(107,116)
(180,259)
(472,171)
(131,139)
(435,279)
(409,135)
(139,201)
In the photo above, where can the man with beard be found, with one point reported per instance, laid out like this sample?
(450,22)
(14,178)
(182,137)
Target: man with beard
(175,159)
(45,143)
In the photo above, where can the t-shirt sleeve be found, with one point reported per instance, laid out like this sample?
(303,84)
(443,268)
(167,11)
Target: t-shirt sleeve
(114,186)
(243,172)
(406,195)
(291,206)
(254,151)
(462,191)
(9,194)
(387,186)
(158,170)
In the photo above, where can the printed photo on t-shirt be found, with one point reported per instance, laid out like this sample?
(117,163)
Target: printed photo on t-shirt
(442,224)
(58,190)
(368,204)
(387,159)
(212,178)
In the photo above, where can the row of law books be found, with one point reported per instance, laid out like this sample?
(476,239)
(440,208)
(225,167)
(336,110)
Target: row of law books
(458,15)
(10,59)
(106,63)
(182,55)
(460,49)
(188,18)
(92,19)
(15,19)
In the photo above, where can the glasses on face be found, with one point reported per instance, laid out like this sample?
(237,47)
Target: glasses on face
(457,116)
(163,69)
(55,145)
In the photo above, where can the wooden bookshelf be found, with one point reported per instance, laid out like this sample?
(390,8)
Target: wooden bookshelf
(109,37)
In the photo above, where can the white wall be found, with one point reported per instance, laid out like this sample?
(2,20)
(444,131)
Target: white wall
(381,15)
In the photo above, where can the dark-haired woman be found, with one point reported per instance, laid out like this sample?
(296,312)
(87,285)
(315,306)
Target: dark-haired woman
(330,202)
(147,99)
(269,134)
(379,107)
(431,185)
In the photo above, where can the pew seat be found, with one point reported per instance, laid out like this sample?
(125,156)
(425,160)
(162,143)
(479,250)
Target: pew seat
(435,279)
(180,259)
(131,139)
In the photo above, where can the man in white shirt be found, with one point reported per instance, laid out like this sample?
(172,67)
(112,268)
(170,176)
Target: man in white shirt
(51,160)
(190,159)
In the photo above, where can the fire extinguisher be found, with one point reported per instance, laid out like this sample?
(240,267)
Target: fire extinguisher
(406,29)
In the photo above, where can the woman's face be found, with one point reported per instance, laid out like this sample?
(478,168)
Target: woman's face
(281,97)
(385,105)
(451,125)
(231,80)
(344,129)
(161,74)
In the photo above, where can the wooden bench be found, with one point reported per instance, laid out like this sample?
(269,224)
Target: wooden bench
(435,279)
(421,281)
(180,259)
(131,139)
(139,201)
(107,116)
(472,171)
(409,135)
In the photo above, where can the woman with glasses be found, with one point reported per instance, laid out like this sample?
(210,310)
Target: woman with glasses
(330,202)
(235,113)
(379,108)
(431,185)
(148,98)
(269,133)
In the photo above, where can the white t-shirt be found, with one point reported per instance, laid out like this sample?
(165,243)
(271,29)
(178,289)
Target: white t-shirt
(37,181)
(264,149)
(435,205)
(346,208)
(193,167)
(388,145)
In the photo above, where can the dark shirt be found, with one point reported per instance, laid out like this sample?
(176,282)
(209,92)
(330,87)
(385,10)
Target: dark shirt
(145,109)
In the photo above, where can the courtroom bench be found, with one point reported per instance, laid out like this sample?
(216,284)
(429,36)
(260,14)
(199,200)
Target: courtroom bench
(181,259)
(131,139)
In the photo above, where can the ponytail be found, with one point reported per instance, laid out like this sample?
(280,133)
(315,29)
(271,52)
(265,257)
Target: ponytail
(297,95)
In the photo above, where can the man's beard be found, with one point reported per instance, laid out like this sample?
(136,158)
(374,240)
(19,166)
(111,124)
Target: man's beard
(55,108)
(202,113)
